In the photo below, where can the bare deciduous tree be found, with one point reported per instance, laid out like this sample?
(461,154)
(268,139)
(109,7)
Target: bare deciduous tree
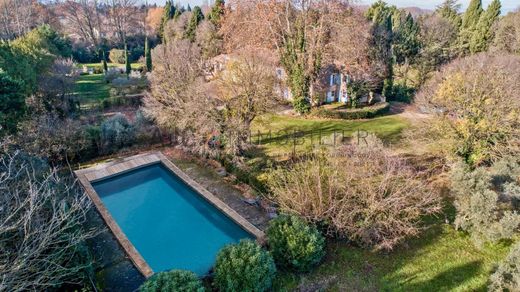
(84,18)
(177,100)
(363,193)
(17,17)
(477,106)
(124,16)
(41,230)
(307,35)
(247,88)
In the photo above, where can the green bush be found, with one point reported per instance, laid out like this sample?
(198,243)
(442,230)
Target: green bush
(485,199)
(368,112)
(173,281)
(295,244)
(117,56)
(244,267)
(116,133)
(301,105)
(507,275)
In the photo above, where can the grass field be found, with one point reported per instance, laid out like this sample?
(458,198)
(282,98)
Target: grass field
(309,131)
(92,88)
(441,259)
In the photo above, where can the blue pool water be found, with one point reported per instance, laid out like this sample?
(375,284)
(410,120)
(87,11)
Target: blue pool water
(171,225)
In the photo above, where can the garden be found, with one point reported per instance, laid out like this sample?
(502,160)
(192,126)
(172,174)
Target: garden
(418,190)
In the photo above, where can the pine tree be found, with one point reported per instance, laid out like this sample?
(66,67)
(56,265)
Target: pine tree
(104,61)
(470,20)
(216,12)
(189,8)
(449,9)
(12,104)
(472,15)
(178,12)
(148,55)
(482,34)
(195,19)
(166,16)
(128,66)
(381,40)
(406,42)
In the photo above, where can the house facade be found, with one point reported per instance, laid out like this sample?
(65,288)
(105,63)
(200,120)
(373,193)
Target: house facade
(331,86)
(336,91)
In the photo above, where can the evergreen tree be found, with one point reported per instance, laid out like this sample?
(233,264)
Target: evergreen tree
(12,103)
(148,55)
(472,15)
(470,20)
(189,8)
(178,12)
(105,65)
(216,12)
(128,67)
(381,40)
(449,9)
(406,42)
(482,34)
(196,18)
(166,16)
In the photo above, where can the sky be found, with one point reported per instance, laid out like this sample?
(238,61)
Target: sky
(507,5)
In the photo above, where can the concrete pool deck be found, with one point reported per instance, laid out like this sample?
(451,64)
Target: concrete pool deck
(111,169)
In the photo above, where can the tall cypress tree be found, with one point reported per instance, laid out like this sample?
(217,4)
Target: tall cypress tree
(381,40)
(216,12)
(104,61)
(148,55)
(406,42)
(196,18)
(470,20)
(482,33)
(472,15)
(166,16)
(128,67)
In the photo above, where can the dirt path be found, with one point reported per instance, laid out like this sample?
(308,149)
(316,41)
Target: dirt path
(408,111)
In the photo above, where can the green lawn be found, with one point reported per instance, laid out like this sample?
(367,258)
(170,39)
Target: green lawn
(134,66)
(309,131)
(92,88)
(441,259)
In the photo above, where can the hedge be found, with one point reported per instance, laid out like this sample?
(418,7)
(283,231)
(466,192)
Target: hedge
(353,114)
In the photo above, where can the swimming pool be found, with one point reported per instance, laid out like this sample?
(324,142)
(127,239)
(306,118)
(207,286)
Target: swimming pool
(171,225)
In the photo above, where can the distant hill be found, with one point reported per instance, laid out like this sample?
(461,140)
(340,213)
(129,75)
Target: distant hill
(415,11)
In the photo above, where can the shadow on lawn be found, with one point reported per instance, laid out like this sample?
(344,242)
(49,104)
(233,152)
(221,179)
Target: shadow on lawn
(450,279)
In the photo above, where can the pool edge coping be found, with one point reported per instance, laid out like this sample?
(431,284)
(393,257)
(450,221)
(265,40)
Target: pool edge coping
(106,170)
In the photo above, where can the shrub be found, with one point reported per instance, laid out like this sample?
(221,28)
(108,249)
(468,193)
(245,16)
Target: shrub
(294,244)
(112,74)
(368,112)
(507,275)
(362,192)
(173,281)
(116,133)
(485,199)
(117,56)
(244,267)
(475,100)
(301,105)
